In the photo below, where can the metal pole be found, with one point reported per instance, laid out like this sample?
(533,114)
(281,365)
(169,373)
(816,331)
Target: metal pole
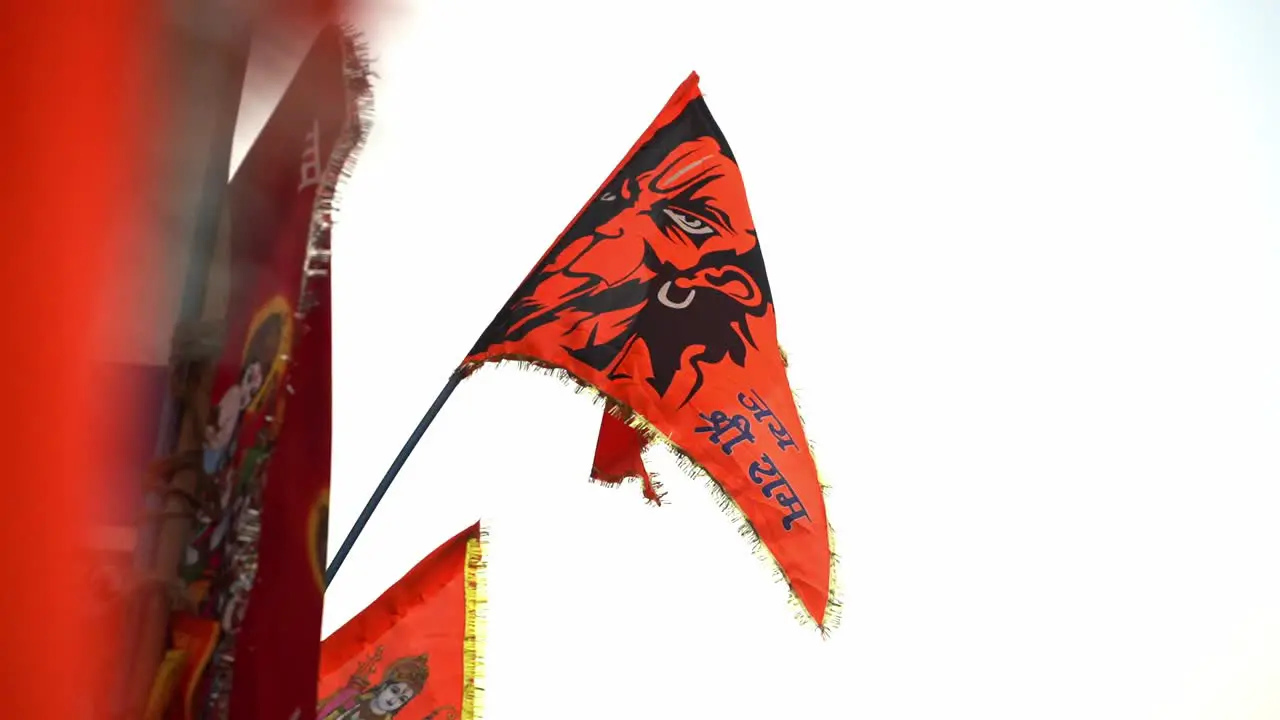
(387,479)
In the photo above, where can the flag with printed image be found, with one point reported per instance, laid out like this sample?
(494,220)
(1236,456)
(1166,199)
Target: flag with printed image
(413,653)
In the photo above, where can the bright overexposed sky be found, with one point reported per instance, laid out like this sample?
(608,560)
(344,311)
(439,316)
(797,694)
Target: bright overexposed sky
(1026,260)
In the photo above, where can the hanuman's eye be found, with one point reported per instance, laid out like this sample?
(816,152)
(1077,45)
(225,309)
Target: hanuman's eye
(689,223)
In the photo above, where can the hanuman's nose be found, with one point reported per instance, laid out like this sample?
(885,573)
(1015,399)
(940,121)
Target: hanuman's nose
(614,229)
(614,256)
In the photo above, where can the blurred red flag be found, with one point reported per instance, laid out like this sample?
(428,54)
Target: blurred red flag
(256,563)
(80,83)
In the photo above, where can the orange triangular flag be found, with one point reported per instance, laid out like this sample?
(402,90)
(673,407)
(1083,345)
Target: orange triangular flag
(656,297)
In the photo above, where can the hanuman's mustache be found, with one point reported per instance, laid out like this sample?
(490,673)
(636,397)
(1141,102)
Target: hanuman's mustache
(675,293)
(730,281)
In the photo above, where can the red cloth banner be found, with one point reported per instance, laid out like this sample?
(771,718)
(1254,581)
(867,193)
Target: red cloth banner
(256,564)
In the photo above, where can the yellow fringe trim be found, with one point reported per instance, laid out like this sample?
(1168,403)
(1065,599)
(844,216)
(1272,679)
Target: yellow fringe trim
(473,641)
(654,436)
(835,608)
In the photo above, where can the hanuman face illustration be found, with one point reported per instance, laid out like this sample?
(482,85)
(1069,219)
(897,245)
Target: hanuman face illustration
(659,274)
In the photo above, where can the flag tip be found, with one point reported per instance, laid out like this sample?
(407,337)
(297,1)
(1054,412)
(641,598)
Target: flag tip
(687,91)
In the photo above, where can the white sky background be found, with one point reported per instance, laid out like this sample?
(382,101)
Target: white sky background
(1027,267)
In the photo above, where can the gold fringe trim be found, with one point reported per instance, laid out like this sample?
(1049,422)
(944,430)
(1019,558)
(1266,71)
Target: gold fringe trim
(657,499)
(358,91)
(654,436)
(473,640)
(835,608)
(358,78)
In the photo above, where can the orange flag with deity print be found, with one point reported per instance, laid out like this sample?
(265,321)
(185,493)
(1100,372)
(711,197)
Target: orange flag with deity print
(413,652)
(656,297)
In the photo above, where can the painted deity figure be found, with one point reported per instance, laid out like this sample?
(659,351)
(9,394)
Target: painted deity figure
(218,443)
(221,437)
(226,420)
(403,681)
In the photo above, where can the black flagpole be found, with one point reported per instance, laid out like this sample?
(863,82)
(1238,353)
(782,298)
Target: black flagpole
(390,477)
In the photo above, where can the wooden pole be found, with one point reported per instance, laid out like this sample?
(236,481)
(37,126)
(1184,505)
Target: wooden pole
(164,538)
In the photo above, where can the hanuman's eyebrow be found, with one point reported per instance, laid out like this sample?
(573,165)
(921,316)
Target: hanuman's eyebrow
(704,204)
(721,215)
(626,190)
(684,170)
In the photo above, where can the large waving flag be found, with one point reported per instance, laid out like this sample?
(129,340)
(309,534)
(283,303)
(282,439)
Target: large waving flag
(656,297)
(413,652)
(313,139)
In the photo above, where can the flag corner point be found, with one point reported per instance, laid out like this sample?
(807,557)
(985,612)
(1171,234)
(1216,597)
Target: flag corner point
(689,88)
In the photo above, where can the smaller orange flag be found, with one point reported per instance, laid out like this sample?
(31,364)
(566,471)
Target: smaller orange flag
(413,652)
